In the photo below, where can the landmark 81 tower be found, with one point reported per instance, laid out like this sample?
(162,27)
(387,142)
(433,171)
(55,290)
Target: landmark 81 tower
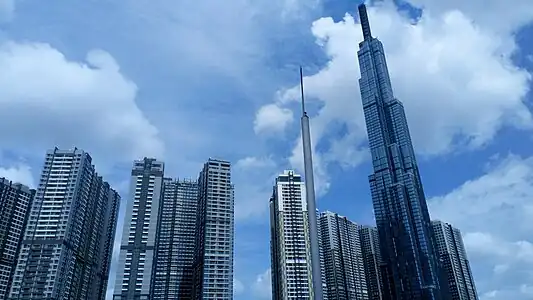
(402,217)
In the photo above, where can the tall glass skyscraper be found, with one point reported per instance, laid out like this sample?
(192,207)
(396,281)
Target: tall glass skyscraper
(402,218)
(176,239)
(68,240)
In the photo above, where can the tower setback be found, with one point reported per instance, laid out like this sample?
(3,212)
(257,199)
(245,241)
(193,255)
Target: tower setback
(407,244)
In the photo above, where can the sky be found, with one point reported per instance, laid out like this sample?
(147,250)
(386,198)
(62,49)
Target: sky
(183,81)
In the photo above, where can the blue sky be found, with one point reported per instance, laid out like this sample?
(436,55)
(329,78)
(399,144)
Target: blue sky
(184,81)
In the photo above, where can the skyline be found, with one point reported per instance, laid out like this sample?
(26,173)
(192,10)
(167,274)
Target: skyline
(478,151)
(181,195)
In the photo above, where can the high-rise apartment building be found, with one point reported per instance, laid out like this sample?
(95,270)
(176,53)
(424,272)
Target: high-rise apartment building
(452,254)
(290,248)
(137,248)
(343,258)
(322,258)
(372,261)
(402,217)
(213,262)
(109,223)
(176,238)
(15,204)
(69,235)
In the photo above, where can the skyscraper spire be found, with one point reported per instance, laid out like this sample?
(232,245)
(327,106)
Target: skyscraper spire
(365,24)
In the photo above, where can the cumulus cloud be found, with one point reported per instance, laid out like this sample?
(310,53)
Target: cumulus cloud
(256,175)
(262,287)
(497,15)
(272,119)
(297,8)
(500,269)
(320,175)
(20,173)
(504,193)
(252,162)
(455,77)
(49,100)
(494,213)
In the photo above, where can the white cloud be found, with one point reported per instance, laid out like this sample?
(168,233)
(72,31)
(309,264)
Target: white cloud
(485,244)
(238,287)
(455,77)
(321,178)
(504,193)
(494,213)
(523,292)
(272,119)
(20,173)
(498,15)
(254,177)
(527,289)
(262,287)
(489,295)
(500,269)
(247,32)
(252,162)
(48,100)
(342,152)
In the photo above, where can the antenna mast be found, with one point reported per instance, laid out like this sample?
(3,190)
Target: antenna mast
(310,197)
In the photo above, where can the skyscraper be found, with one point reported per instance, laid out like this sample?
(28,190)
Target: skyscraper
(343,258)
(176,240)
(215,229)
(15,204)
(109,222)
(68,240)
(136,258)
(402,217)
(289,242)
(372,261)
(452,253)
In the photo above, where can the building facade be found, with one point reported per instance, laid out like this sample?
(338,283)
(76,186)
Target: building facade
(176,238)
(137,248)
(343,258)
(109,222)
(15,204)
(290,248)
(372,261)
(452,254)
(406,240)
(215,229)
(69,235)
